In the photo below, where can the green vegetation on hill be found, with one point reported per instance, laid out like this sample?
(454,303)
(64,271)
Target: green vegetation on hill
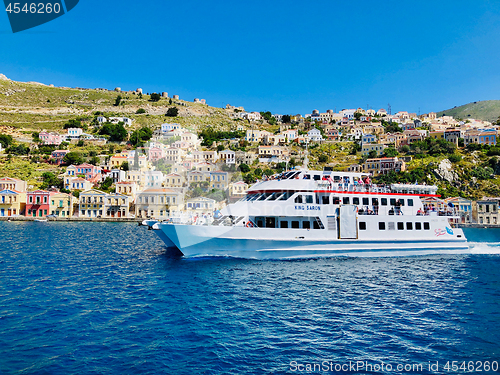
(487,110)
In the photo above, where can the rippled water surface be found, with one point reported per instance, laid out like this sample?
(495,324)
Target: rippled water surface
(104,298)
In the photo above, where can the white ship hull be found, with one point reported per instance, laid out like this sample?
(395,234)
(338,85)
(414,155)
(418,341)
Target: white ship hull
(262,243)
(307,214)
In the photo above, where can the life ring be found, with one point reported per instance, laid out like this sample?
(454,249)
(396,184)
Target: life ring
(249,224)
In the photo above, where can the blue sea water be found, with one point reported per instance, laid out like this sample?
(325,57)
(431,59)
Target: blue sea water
(104,298)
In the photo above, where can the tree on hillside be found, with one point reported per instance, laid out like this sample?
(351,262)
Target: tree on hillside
(155,97)
(50,179)
(116,132)
(118,100)
(244,168)
(5,140)
(21,149)
(73,123)
(286,119)
(73,157)
(172,112)
(390,152)
(125,166)
(140,136)
(140,110)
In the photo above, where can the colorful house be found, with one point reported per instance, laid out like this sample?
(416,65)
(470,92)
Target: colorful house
(61,204)
(9,183)
(12,203)
(92,203)
(58,156)
(157,202)
(38,203)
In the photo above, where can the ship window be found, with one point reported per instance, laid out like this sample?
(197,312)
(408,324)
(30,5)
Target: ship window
(270,222)
(306,225)
(309,199)
(263,197)
(375,201)
(383,201)
(307,177)
(284,224)
(260,223)
(285,196)
(390,225)
(317,177)
(401,226)
(427,226)
(316,225)
(325,200)
(418,226)
(298,199)
(355,200)
(366,201)
(335,200)
(410,202)
(401,202)
(409,226)
(362,225)
(345,200)
(273,196)
(295,224)
(393,201)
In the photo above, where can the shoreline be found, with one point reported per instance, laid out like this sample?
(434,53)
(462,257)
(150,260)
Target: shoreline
(140,220)
(66,219)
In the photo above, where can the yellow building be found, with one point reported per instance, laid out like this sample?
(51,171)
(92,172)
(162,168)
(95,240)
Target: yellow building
(61,204)
(12,203)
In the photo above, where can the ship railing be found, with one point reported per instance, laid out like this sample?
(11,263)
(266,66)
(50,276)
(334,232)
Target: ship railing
(401,211)
(354,187)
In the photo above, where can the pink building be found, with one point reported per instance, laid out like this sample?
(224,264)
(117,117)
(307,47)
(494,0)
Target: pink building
(58,156)
(156,153)
(38,203)
(51,138)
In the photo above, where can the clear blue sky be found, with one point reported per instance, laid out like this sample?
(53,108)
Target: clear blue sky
(282,56)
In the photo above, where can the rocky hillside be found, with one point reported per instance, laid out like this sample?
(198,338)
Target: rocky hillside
(30,106)
(488,110)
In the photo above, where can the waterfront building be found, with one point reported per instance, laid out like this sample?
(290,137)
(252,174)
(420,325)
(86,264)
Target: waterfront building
(91,203)
(158,203)
(462,207)
(38,203)
(62,204)
(12,202)
(9,183)
(487,211)
(116,205)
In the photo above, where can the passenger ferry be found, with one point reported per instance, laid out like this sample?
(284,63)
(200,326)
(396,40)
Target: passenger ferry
(305,213)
